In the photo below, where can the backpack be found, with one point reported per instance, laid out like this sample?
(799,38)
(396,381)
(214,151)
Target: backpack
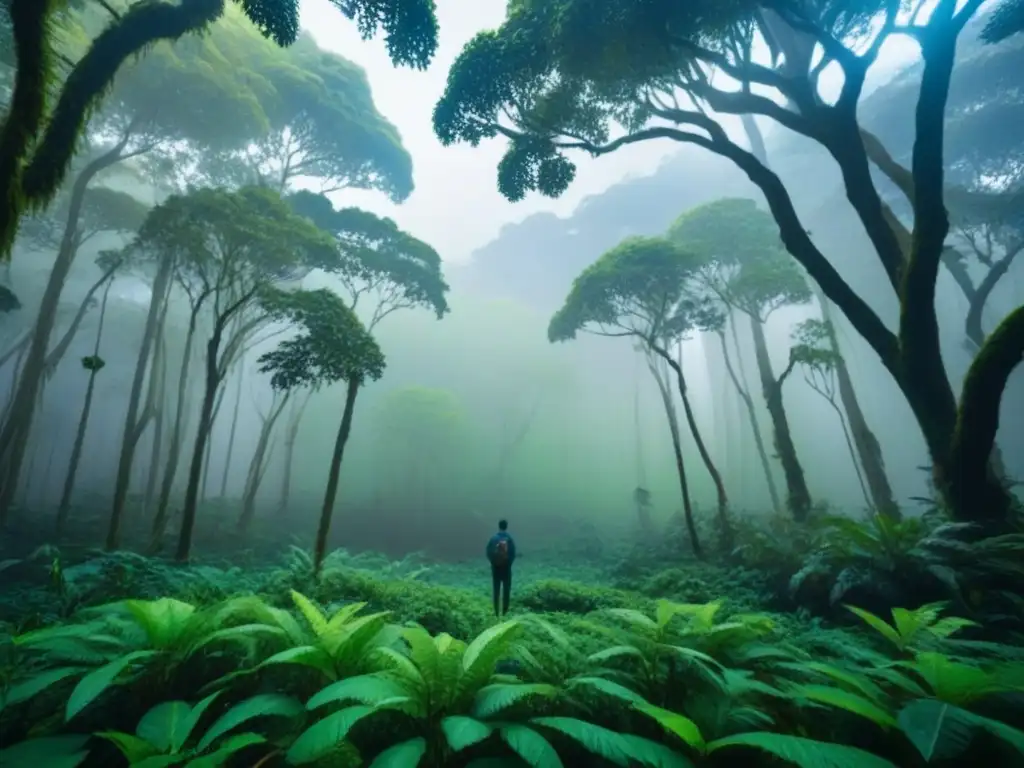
(500,554)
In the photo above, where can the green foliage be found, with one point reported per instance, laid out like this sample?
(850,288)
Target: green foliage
(744,260)
(376,259)
(332,344)
(643,287)
(225,241)
(664,684)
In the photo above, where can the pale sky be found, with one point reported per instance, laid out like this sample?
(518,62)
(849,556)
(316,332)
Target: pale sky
(456,206)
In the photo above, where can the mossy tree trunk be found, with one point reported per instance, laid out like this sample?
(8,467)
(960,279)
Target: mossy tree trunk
(798,496)
(16,429)
(83,424)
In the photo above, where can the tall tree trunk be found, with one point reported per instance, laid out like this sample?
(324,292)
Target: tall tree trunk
(212,384)
(14,434)
(258,465)
(868,448)
(159,395)
(799,497)
(334,475)
(677,448)
(177,433)
(83,424)
(294,420)
(234,429)
(205,481)
(748,402)
(132,433)
(724,526)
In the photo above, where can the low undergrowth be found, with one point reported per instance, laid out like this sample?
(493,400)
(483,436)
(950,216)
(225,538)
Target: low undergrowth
(276,668)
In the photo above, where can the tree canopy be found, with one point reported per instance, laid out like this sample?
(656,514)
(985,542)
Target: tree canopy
(376,259)
(643,287)
(743,260)
(332,345)
(40,134)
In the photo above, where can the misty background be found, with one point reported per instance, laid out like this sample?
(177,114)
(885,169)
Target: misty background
(477,415)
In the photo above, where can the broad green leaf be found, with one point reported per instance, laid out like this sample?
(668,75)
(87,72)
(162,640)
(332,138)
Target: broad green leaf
(682,727)
(879,625)
(323,736)
(847,701)
(303,655)
(98,681)
(652,754)
(35,685)
(938,730)
(943,731)
(492,699)
(366,689)
(534,749)
(161,761)
(311,613)
(132,747)
(847,677)
(601,741)
(228,748)
(406,754)
(608,688)
(261,705)
(194,717)
(477,651)
(49,751)
(804,753)
(462,732)
(164,726)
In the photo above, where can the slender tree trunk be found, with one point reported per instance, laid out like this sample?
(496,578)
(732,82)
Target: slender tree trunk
(258,465)
(725,527)
(799,497)
(132,433)
(83,424)
(177,433)
(205,482)
(334,475)
(212,382)
(294,420)
(160,395)
(748,402)
(30,474)
(868,448)
(14,434)
(677,448)
(234,428)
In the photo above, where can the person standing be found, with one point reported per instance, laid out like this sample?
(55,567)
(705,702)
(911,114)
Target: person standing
(501,552)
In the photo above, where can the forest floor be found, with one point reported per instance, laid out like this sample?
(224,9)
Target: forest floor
(620,659)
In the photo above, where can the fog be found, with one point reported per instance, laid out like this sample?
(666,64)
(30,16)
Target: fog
(478,415)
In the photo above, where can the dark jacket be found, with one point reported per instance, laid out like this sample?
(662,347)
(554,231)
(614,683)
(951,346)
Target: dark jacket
(493,543)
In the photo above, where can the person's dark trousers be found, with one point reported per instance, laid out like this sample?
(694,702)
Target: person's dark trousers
(501,575)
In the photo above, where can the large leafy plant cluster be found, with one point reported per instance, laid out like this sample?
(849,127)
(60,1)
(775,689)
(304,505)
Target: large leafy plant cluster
(165,682)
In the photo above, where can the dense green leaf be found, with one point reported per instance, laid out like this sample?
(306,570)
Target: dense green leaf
(228,748)
(166,725)
(533,748)
(462,732)
(325,735)
(99,680)
(27,689)
(405,754)
(51,751)
(261,705)
(494,698)
(365,689)
(804,753)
